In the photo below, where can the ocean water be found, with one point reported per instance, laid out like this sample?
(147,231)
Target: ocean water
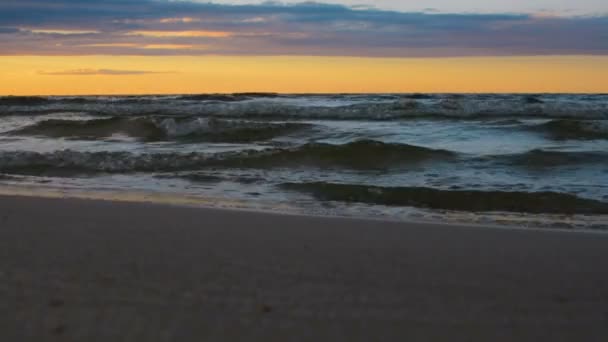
(533,160)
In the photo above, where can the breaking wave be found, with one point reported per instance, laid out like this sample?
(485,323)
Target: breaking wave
(68,162)
(462,200)
(357,155)
(215,130)
(93,129)
(161,129)
(473,152)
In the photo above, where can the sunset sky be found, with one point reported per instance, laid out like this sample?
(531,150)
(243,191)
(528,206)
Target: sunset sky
(148,46)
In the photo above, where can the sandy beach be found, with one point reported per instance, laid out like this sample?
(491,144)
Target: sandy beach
(82,270)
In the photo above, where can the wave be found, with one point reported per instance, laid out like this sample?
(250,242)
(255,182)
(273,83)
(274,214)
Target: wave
(93,129)
(209,178)
(68,162)
(531,99)
(357,155)
(214,130)
(129,99)
(544,159)
(227,97)
(461,200)
(195,177)
(6,177)
(420,96)
(575,129)
(339,107)
(376,155)
(162,129)
(23,100)
(213,97)
(361,154)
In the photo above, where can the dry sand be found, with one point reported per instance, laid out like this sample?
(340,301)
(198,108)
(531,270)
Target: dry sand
(78,270)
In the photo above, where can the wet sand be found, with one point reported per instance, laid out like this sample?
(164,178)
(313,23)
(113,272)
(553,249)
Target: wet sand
(82,270)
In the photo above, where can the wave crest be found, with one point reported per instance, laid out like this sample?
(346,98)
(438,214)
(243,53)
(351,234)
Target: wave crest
(214,130)
(462,200)
(161,129)
(357,155)
(68,162)
(362,154)
(93,129)
(575,129)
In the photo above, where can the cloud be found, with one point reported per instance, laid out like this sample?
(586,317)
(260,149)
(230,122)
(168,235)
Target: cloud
(147,46)
(162,27)
(61,31)
(93,72)
(7,30)
(175,34)
(179,20)
(172,47)
(112,45)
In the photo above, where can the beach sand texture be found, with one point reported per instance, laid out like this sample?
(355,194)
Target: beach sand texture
(80,270)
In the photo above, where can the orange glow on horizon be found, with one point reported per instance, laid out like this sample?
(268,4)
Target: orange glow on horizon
(46,75)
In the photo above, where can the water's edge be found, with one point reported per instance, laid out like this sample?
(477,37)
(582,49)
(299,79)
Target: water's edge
(497,220)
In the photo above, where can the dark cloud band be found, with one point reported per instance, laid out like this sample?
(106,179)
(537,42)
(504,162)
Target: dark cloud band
(155,27)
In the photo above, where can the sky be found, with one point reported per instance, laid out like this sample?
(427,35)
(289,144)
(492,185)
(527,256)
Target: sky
(161,46)
(560,7)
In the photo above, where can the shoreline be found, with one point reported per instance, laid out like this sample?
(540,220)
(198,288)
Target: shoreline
(238,205)
(100,270)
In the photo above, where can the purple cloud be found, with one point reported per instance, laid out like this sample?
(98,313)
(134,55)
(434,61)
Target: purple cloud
(146,27)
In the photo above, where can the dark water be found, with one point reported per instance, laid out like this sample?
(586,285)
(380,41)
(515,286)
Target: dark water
(516,159)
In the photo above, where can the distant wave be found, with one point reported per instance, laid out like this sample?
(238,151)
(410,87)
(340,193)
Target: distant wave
(161,129)
(464,200)
(126,99)
(227,97)
(339,107)
(531,99)
(23,100)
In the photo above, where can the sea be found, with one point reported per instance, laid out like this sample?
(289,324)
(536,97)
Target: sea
(519,160)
